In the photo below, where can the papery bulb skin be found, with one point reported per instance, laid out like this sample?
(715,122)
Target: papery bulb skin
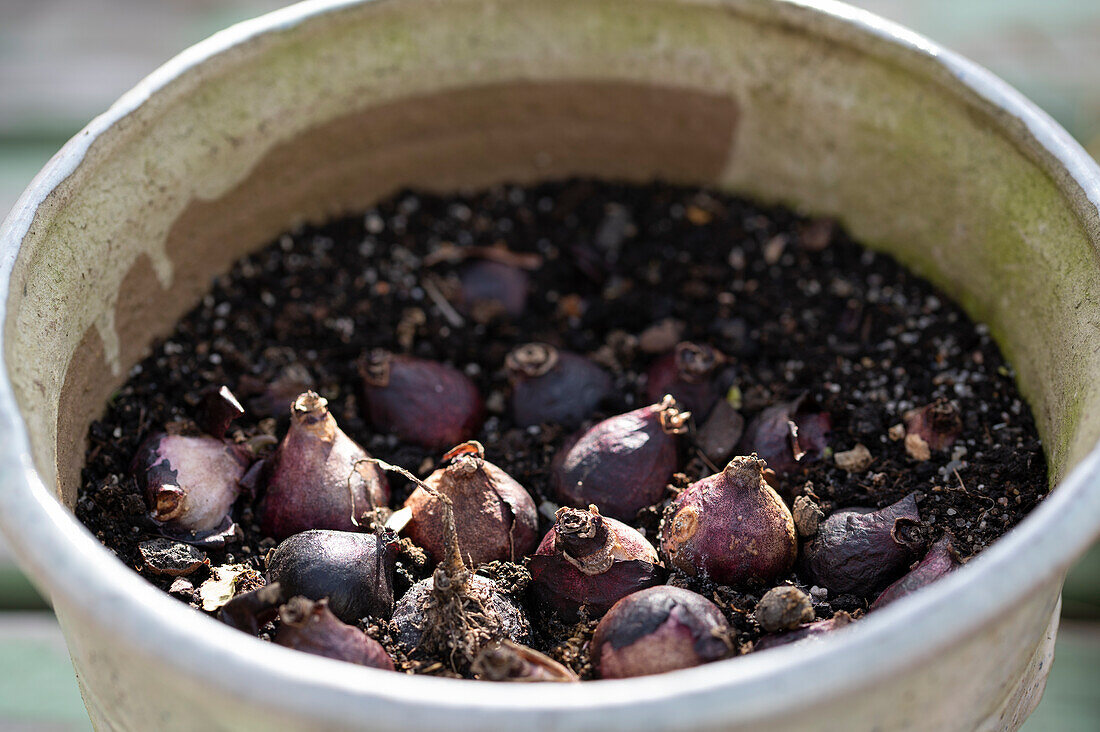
(508,619)
(731,527)
(422,402)
(938,424)
(250,611)
(941,559)
(805,633)
(489,289)
(507,661)
(860,551)
(587,562)
(217,410)
(553,386)
(353,571)
(689,373)
(495,516)
(807,516)
(318,478)
(622,464)
(189,483)
(309,626)
(656,630)
(785,436)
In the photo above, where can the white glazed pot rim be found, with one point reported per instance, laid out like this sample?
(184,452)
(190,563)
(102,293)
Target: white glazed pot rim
(68,563)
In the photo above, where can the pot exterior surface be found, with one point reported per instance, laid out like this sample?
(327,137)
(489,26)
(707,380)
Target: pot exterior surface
(989,682)
(323,108)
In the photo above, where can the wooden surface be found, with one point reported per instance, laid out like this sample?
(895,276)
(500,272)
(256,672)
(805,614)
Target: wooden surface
(64,61)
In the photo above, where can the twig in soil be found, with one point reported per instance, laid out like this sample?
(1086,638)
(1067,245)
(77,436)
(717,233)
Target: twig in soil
(707,462)
(978,496)
(990,502)
(437,297)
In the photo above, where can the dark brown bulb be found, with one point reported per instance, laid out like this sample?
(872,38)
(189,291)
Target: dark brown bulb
(731,527)
(422,402)
(354,572)
(689,373)
(586,563)
(495,517)
(311,627)
(318,478)
(190,483)
(554,386)
(860,550)
(622,464)
(659,629)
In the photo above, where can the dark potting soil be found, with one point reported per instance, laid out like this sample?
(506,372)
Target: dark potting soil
(626,271)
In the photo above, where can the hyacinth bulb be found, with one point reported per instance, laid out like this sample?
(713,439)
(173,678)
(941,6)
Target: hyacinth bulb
(689,373)
(554,386)
(731,527)
(311,627)
(659,629)
(940,560)
(806,632)
(586,563)
(276,397)
(785,435)
(190,483)
(495,516)
(422,402)
(490,289)
(719,435)
(353,571)
(860,550)
(502,616)
(622,464)
(507,661)
(318,478)
(453,614)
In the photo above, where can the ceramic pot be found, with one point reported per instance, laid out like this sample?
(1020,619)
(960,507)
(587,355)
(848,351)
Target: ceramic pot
(322,108)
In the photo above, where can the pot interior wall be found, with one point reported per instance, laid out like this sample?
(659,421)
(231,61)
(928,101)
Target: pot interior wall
(328,116)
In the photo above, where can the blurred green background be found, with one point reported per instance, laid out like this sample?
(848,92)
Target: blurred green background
(64,61)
